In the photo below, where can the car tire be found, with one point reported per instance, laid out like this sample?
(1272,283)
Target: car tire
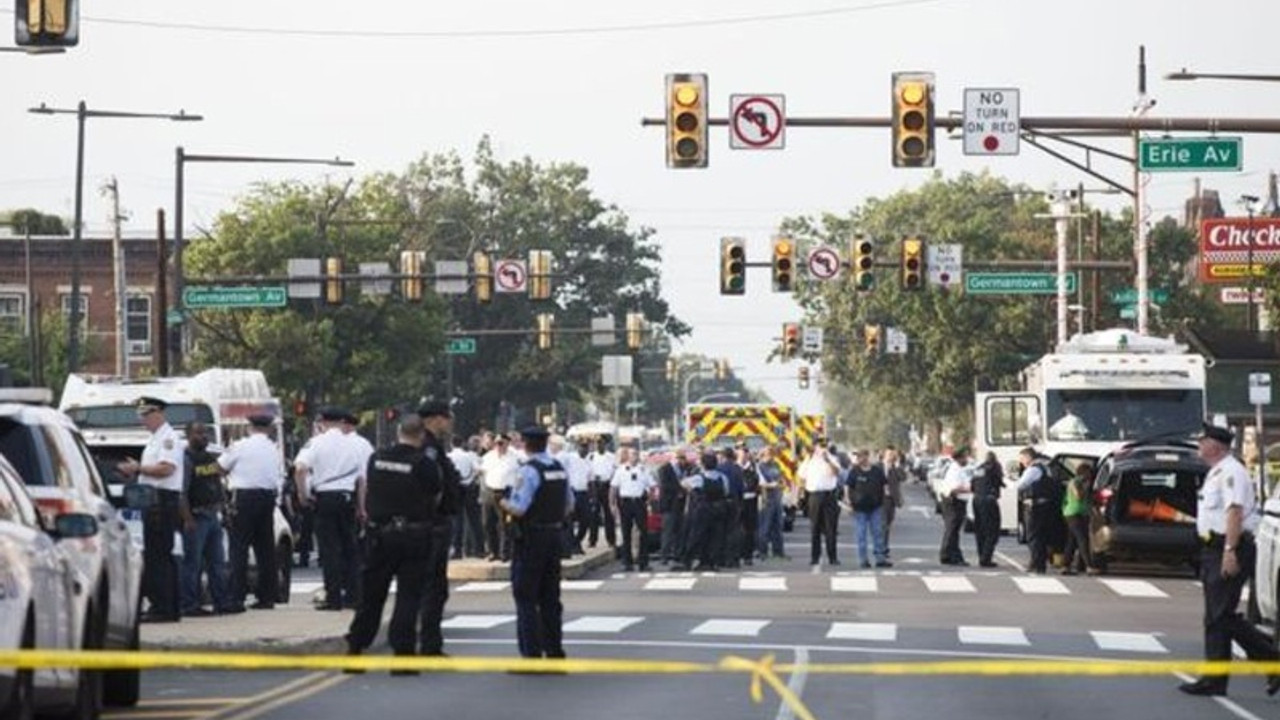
(284,572)
(21,703)
(1022,528)
(123,688)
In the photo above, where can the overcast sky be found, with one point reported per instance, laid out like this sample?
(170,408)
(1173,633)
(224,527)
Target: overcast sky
(382,82)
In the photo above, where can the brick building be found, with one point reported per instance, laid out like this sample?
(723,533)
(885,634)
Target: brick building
(51,287)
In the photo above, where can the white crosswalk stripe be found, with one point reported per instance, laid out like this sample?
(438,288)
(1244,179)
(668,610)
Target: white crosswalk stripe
(670,584)
(733,628)
(581,584)
(601,624)
(1134,588)
(1041,586)
(751,584)
(854,584)
(479,586)
(949,584)
(880,632)
(1127,642)
(476,622)
(992,635)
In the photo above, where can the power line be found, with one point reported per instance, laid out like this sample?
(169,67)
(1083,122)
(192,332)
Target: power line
(504,33)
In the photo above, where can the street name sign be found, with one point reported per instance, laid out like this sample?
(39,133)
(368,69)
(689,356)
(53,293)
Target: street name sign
(234,297)
(992,123)
(461,346)
(1129,296)
(757,122)
(1190,154)
(1240,295)
(1016,283)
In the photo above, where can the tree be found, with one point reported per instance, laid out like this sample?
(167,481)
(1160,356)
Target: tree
(30,220)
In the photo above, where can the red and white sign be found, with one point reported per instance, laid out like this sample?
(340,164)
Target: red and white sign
(757,122)
(1227,243)
(1240,296)
(824,263)
(510,276)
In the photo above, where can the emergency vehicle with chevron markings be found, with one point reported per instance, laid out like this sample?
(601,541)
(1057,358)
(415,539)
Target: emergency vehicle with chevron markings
(717,425)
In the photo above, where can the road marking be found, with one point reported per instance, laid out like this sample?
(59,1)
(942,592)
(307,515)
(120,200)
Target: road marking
(925,512)
(914,561)
(881,632)
(601,624)
(1134,588)
(304,587)
(949,584)
(1041,586)
(476,622)
(1010,562)
(670,584)
(990,635)
(1238,652)
(752,584)
(733,628)
(264,702)
(796,683)
(1227,704)
(854,584)
(483,586)
(581,584)
(152,714)
(192,702)
(1127,642)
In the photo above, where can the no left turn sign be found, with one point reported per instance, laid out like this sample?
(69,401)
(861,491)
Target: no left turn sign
(824,263)
(510,276)
(757,122)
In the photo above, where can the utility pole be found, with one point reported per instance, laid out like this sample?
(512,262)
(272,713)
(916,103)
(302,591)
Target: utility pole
(1140,108)
(112,188)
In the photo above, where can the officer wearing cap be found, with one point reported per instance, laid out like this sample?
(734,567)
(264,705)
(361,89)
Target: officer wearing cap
(255,476)
(437,419)
(161,467)
(1226,517)
(540,504)
(327,470)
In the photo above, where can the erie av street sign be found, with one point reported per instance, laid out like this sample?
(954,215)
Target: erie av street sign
(234,297)
(1016,283)
(1190,154)
(461,346)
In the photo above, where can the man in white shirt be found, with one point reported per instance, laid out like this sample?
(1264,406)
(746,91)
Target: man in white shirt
(629,492)
(574,461)
(953,490)
(603,464)
(820,475)
(468,537)
(327,470)
(255,476)
(500,470)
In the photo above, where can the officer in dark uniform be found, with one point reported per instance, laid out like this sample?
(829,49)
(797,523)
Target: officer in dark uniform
(540,505)
(986,485)
(710,517)
(400,496)
(1037,486)
(437,418)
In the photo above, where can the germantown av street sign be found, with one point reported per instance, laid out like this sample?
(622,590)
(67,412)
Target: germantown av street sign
(234,297)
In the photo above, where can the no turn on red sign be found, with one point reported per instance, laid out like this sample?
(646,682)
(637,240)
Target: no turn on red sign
(757,122)
(992,121)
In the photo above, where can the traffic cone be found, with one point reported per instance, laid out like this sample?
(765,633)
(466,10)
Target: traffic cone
(1139,510)
(1164,512)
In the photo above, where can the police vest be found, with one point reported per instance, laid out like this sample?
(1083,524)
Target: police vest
(714,486)
(1043,488)
(205,489)
(402,482)
(548,506)
(987,484)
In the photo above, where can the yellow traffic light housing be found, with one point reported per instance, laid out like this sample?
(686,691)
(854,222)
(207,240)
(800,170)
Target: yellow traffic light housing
(539,274)
(912,119)
(783,264)
(873,337)
(687,120)
(671,370)
(333,281)
(482,266)
(790,340)
(47,23)
(733,266)
(804,377)
(864,262)
(545,323)
(635,330)
(912,263)
(722,370)
(411,264)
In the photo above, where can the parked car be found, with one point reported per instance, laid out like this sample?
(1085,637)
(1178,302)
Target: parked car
(50,457)
(1266,578)
(41,604)
(1143,504)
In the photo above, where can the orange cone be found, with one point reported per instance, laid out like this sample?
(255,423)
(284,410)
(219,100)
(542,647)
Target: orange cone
(1164,512)
(1139,510)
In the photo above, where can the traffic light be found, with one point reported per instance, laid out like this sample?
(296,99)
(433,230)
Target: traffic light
(912,263)
(912,119)
(333,281)
(671,369)
(539,274)
(733,266)
(635,330)
(873,337)
(687,120)
(864,262)
(790,340)
(545,323)
(722,370)
(47,23)
(783,264)
(804,377)
(411,262)
(482,266)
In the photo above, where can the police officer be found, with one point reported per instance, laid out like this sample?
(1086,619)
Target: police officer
(709,516)
(161,467)
(327,470)
(540,504)
(954,484)
(630,488)
(401,495)
(987,483)
(255,476)
(437,419)
(1036,484)
(1226,517)
(202,536)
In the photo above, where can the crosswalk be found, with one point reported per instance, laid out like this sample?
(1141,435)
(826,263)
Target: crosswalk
(970,636)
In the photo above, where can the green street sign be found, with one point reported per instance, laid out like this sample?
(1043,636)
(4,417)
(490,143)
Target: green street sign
(461,346)
(1129,312)
(234,297)
(1016,283)
(173,317)
(1129,296)
(1190,154)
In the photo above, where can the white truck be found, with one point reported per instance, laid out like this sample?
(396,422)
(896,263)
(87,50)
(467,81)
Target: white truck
(221,398)
(1092,393)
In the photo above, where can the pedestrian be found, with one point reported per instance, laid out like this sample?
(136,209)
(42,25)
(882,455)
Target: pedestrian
(437,420)
(1075,512)
(865,490)
(710,515)
(539,505)
(629,494)
(402,492)
(750,505)
(603,464)
(160,468)
(255,475)
(895,475)
(574,461)
(468,536)
(498,472)
(327,470)
(202,536)
(1036,486)
(769,534)
(955,484)
(988,480)
(733,540)
(671,503)
(820,474)
(1226,519)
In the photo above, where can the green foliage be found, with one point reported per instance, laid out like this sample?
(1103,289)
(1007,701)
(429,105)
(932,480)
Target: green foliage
(30,220)
(51,352)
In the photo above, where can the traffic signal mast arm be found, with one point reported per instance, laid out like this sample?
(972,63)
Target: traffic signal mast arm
(1048,122)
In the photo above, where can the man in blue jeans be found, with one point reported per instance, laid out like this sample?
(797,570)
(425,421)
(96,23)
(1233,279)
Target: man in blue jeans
(202,531)
(865,491)
(769,534)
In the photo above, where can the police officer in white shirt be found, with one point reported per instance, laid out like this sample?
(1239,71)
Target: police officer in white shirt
(1226,517)
(327,471)
(629,492)
(161,467)
(255,476)
(574,461)
(952,492)
(468,537)
(499,472)
(820,474)
(603,465)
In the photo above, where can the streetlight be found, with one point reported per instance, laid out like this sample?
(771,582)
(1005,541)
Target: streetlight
(1185,74)
(1249,201)
(83,113)
(181,158)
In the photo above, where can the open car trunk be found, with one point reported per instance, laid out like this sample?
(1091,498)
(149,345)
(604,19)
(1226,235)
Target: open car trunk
(1157,495)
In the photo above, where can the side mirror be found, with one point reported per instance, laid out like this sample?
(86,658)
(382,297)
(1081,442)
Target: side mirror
(75,525)
(1272,507)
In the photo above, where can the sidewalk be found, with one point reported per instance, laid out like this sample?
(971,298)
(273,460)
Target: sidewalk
(298,628)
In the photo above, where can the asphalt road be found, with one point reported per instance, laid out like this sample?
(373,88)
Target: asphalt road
(916,611)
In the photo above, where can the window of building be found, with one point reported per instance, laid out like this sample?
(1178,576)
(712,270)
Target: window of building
(65,301)
(12,314)
(137,324)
